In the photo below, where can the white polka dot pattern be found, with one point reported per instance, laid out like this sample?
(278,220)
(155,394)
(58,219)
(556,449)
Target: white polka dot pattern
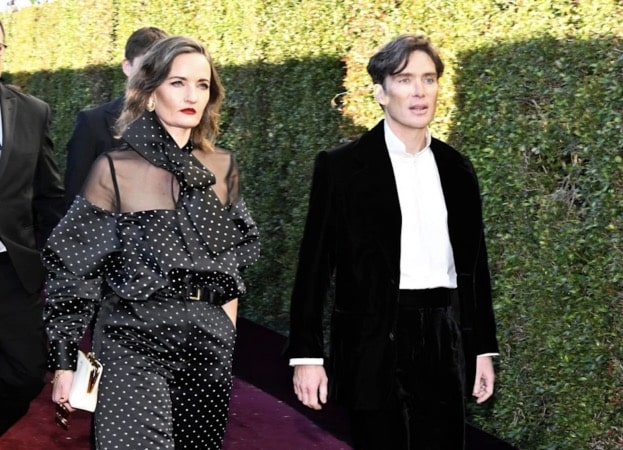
(167,376)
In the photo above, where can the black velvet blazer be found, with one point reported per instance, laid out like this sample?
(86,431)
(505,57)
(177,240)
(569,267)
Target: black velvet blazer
(353,231)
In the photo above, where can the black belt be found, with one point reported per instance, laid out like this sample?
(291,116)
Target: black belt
(193,293)
(199,294)
(426,298)
(4,258)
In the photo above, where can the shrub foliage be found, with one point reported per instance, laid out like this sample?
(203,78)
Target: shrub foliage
(533,94)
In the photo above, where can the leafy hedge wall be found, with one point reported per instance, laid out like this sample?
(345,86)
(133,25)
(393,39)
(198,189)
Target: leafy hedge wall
(533,94)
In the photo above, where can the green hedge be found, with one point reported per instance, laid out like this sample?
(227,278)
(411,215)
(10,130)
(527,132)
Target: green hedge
(533,94)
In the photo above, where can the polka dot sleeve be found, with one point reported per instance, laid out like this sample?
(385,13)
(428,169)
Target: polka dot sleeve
(248,249)
(74,256)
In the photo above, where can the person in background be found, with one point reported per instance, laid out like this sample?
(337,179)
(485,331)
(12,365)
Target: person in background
(396,216)
(93,131)
(157,241)
(31,203)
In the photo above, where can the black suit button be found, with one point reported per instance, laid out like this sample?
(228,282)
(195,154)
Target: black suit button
(391,336)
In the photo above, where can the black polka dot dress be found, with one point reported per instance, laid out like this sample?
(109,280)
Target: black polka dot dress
(156,280)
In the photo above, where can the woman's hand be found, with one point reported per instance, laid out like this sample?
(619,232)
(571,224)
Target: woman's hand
(231,309)
(62,381)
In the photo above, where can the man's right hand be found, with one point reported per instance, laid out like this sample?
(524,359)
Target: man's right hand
(311,385)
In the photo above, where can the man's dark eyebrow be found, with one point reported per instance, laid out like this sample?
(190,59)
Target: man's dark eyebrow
(410,74)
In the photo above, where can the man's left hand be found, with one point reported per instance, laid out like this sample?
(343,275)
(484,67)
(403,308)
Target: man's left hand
(485,379)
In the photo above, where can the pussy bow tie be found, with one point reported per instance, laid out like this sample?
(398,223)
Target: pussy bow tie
(201,205)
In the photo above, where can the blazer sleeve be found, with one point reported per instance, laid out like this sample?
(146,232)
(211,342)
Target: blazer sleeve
(48,188)
(315,266)
(477,311)
(81,152)
(485,328)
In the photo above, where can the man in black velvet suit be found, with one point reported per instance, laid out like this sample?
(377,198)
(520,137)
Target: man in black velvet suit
(31,203)
(396,218)
(93,131)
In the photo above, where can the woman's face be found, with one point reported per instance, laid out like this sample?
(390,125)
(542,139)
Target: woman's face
(183,96)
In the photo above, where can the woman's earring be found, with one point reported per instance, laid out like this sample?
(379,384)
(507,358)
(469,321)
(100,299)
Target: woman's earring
(151,104)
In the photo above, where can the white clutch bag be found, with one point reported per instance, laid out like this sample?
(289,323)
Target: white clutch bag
(83,393)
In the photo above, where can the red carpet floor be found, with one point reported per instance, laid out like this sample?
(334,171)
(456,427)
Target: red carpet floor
(259,421)
(264,413)
(256,421)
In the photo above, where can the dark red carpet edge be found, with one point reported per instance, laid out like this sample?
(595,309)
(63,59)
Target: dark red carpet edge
(264,413)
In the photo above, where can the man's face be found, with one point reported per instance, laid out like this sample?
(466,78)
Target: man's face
(409,98)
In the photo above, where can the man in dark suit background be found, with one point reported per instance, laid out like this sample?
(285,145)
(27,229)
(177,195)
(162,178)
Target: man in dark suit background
(93,130)
(395,216)
(31,203)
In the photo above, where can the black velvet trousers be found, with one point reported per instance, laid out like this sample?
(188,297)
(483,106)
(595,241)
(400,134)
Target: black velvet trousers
(426,410)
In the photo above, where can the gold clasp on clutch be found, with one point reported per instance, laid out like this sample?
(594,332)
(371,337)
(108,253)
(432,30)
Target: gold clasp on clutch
(94,371)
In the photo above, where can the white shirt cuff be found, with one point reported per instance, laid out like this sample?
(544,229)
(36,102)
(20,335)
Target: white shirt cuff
(306,361)
(320,361)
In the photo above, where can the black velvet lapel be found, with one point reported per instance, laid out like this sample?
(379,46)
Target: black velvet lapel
(375,185)
(460,190)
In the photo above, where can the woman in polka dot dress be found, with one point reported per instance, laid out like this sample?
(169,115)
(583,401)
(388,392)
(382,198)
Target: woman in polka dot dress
(153,249)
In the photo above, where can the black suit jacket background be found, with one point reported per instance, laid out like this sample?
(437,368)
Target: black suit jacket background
(92,136)
(31,193)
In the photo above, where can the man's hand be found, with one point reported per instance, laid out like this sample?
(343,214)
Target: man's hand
(485,379)
(311,385)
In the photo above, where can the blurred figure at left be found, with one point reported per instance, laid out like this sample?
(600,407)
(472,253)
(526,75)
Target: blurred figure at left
(31,201)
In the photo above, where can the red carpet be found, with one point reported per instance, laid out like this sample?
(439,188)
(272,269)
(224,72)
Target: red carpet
(257,421)
(264,413)
(37,430)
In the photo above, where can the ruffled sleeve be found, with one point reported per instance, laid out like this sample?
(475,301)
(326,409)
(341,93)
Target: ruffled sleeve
(75,255)
(248,248)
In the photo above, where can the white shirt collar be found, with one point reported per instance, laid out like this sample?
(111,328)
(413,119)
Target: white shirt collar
(396,146)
